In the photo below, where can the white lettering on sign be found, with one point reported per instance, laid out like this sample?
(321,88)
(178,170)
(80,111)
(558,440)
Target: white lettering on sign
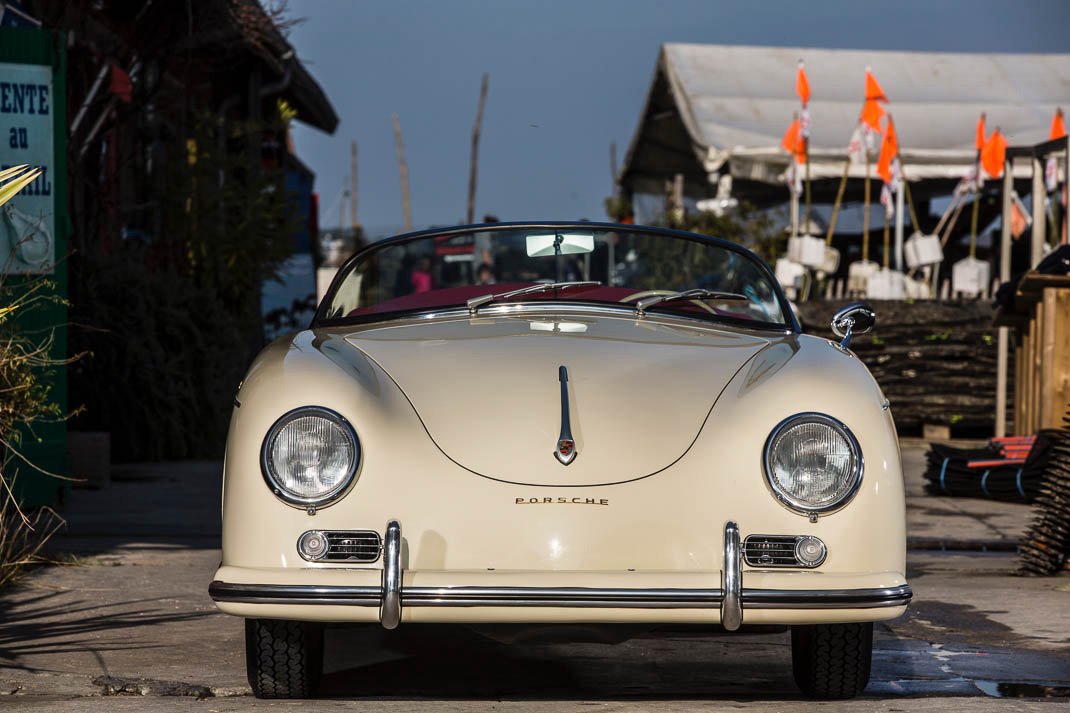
(27,222)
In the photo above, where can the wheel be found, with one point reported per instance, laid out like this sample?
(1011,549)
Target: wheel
(283,659)
(832,661)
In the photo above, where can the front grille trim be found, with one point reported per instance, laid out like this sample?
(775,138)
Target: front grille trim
(767,551)
(364,546)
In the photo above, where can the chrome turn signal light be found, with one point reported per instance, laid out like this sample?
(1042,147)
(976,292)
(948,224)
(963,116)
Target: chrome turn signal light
(810,551)
(312,545)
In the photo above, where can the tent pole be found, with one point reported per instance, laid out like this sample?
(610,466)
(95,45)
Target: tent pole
(836,205)
(806,215)
(899,225)
(794,200)
(865,215)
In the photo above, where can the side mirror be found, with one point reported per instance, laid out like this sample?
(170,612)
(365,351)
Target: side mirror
(855,318)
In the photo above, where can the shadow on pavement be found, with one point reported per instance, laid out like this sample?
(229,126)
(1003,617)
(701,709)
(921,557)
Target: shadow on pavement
(455,663)
(50,625)
(156,504)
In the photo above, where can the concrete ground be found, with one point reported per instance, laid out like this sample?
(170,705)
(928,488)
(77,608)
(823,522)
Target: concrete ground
(127,625)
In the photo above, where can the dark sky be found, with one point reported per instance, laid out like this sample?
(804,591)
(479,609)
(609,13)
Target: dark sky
(567,78)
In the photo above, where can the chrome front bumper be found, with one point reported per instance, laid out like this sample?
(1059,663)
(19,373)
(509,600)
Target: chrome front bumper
(732,598)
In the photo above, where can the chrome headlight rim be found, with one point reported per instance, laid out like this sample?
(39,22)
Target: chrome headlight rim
(267,466)
(794,504)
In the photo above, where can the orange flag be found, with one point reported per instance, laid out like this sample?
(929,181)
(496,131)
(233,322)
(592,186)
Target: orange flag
(871,114)
(979,142)
(994,154)
(873,89)
(1058,128)
(793,141)
(802,85)
(889,150)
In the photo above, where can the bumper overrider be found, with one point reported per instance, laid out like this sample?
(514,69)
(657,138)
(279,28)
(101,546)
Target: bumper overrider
(732,598)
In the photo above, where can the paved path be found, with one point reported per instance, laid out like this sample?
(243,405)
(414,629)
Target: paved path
(956,523)
(130,627)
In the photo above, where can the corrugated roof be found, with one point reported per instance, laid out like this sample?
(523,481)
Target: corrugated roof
(736,101)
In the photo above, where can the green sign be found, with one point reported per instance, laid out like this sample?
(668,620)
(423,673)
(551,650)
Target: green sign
(33,234)
(28,221)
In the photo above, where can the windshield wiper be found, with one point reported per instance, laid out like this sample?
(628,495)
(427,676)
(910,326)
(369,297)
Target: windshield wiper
(697,294)
(476,302)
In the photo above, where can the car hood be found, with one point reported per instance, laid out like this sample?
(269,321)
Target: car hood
(488,393)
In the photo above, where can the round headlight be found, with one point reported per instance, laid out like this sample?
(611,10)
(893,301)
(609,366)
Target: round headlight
(813,463)
(310,456)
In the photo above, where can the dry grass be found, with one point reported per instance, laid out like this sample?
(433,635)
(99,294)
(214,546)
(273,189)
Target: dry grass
(23,534)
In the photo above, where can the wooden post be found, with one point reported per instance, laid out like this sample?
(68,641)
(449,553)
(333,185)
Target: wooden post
(613,167)
(1066,188)
(1019,384)
(403,170)
(352,190)
(1040,218)
(1049,411)
(1037,366)
(474,165)
(1059,359)
(342,210)
(1004,275)
(1005,231)
(678,196)
(1001,383)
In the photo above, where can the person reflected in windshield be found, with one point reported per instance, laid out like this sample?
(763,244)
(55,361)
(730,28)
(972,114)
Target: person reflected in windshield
(485,275)
(421,276)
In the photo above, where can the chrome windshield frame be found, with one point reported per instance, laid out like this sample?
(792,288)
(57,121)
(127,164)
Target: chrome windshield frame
(320,319)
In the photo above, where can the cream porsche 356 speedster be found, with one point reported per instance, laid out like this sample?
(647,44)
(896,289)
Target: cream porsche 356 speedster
(544,424)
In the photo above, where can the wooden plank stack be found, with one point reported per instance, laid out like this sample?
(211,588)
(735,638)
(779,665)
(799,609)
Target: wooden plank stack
(935,361)
(1046,549)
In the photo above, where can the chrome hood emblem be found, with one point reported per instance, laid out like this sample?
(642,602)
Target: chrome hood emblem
(566,447)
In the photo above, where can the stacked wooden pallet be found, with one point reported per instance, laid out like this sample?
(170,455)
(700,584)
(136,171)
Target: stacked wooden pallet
(935,361)
(1046,549)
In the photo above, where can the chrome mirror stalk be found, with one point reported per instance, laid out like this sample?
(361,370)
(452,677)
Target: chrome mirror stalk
(855,318)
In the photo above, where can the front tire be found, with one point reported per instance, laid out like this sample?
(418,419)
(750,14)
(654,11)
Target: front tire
(832,661)
(283,659)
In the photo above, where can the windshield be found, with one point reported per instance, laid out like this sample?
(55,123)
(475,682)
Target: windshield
(429,272)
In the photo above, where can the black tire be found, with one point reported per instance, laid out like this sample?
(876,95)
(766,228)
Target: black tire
(832,661)
(283,659)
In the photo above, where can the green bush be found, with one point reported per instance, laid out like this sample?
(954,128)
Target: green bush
(25,366)
(171,320)
(164,357)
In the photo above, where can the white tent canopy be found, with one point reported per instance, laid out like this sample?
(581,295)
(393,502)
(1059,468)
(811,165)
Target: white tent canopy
(722,109)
